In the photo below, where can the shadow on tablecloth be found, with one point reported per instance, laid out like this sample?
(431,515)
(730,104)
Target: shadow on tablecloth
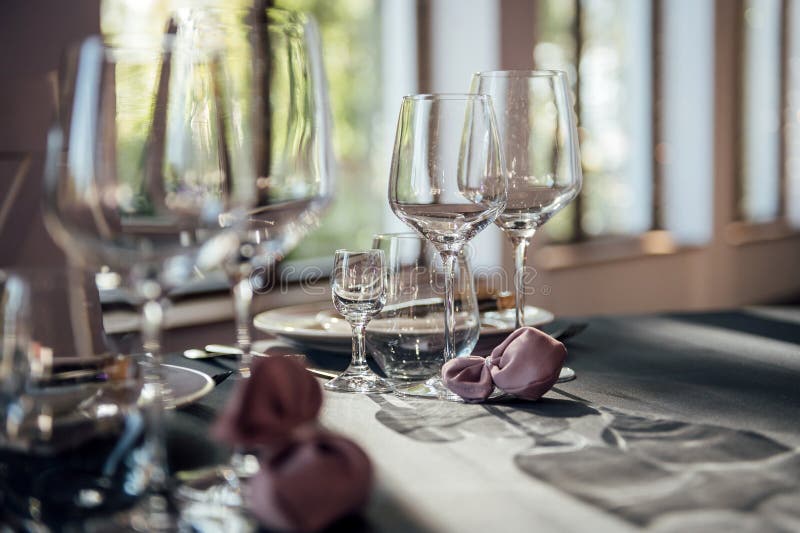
(656,473)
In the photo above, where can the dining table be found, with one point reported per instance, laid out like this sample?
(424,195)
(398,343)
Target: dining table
(677,421)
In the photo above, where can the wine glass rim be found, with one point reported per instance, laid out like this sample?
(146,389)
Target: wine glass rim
(152,44)
(398,235)
(407,235)
(543,73)
(358,251)
(445,96)
(293,17)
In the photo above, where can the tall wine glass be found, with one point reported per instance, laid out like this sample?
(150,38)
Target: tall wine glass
(448,183)
(276,96)
(137,179)
(540,143)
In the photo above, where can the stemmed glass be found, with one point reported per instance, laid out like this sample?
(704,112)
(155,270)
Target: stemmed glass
(448,183)
(137,179)
(73,444)
(275,94)
(540,143)
(358,289)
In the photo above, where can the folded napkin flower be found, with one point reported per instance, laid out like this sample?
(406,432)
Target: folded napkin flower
(308,477)
(279,397)
(526,364)
(310,484)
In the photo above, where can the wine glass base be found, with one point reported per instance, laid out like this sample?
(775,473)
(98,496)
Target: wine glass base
(435,389)
(566,374)
(360,380)
(218,486)
(214,500)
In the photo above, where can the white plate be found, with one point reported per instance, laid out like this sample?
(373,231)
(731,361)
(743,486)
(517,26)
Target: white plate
(318,326)
(186,385)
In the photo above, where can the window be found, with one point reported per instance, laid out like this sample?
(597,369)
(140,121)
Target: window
(606,46)
(351,40)
(792,115)
(770,50)
(762,73)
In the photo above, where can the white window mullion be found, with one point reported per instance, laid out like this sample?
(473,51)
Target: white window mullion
(398,79)
(466,40)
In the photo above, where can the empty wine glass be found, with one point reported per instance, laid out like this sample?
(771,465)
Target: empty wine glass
(540,142)
(276,97)
(137,179)
(448,183)
(73,449)
(358,289)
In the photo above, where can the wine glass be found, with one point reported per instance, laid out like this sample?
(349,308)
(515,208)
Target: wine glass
(275,96)
(540,143)
(72,435)
(137,180)
(448,183)
(275,93)
(358,289)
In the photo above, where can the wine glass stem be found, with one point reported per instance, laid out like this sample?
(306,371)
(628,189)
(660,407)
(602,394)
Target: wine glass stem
(359,350)
(243,303)
(520,253)
(449,259)
(152,328)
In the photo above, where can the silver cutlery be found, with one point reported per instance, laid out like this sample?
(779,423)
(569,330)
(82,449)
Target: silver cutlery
(569,331)
(222,376)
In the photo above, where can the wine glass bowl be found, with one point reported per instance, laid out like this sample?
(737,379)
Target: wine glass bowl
(447,182)
(537,128)
(447,179)
(136,172)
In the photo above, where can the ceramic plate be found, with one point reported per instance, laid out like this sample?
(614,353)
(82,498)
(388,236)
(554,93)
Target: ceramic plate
(186,385)
(319,327)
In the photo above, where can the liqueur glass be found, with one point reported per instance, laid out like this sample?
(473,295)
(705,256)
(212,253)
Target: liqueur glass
(358,289)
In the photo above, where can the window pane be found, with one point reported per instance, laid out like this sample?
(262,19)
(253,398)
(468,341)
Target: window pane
(351,53)
(687,150)
(614,78)
(556,49)
(792,118)
(760,199)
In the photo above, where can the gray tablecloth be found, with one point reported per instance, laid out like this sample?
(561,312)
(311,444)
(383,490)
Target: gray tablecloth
(679,422)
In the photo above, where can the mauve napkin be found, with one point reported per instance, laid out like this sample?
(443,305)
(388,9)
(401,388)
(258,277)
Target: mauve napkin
(469,377)
(266,408)
(315,481)
(526,365)
(308,477)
